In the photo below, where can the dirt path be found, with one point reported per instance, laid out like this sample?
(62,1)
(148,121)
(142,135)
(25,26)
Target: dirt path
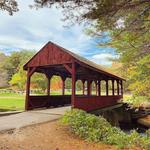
(46,136)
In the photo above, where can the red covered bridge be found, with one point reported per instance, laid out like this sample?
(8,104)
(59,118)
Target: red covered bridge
(55,60)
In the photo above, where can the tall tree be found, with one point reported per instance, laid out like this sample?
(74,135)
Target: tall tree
(3,74)
(15,60)
(14,66)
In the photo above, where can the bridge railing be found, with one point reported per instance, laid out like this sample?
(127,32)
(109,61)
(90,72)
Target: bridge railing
(90,103)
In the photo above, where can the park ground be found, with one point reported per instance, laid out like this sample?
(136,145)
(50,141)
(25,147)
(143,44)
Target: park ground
(47,136)
(11,101)
(15,101)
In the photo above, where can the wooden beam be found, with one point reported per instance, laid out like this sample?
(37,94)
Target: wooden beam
(63,85)
(117,87)
(27,90)
(107,93)
(83,86)
(99,87)
(121,83)
(48,76)
(68,68)
(96,84)
(113,88)
(89,87)
(48,85)
(31,71)
(73,85)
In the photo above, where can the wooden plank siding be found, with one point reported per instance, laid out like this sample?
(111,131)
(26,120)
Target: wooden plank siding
(49,55)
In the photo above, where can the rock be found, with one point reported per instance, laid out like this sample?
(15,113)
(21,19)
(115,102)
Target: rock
(145,121)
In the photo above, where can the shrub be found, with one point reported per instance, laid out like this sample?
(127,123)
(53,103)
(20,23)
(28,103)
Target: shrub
(136,101)
(94,128)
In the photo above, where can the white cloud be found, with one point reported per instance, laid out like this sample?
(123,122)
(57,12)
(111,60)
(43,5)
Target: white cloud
(31,29)
(103,58)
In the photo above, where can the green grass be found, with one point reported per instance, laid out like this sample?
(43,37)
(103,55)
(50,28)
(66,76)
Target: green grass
(11,101)
(14,101)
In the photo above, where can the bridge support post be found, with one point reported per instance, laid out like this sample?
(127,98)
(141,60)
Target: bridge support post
(27,90)
(63,85)
(107,87)
(30,71)
(121,83)
(113,88)
(83,86)
(117,87)
(89,87)
(96,84)
(73,85)
(48,76)
(99,88)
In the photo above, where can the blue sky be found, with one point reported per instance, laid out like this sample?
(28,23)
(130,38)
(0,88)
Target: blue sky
(31,29)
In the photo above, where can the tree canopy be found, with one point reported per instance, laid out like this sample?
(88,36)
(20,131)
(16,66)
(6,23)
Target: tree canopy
(10,6)
(3,74)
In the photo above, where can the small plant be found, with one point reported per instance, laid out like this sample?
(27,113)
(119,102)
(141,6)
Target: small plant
(97,129)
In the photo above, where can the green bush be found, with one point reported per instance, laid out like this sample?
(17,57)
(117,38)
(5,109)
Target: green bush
(136,101)
(97,129)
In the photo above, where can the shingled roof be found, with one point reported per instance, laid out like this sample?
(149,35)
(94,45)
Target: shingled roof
(79,58)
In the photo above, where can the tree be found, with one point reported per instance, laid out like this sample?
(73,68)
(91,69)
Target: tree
(10,6)
(18,80)
(13,62)
(14,67)
(3,74)
(139,77)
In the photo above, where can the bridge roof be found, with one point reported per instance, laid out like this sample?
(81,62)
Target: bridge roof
(52,54)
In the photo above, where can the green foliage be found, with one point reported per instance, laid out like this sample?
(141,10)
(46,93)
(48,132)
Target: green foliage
(135,58)
(136,101)
(13,63)
(39,81)
(3,74)
(19,79)
(97,129)
(139,77)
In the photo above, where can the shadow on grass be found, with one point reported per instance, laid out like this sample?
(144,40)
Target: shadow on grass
(4,110)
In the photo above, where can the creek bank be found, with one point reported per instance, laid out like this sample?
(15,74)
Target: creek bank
(127,117)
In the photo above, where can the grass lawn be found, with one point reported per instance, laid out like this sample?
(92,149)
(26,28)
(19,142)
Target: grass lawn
(11,101)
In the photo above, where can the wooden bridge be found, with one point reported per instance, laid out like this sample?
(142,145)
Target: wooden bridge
(55,60)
